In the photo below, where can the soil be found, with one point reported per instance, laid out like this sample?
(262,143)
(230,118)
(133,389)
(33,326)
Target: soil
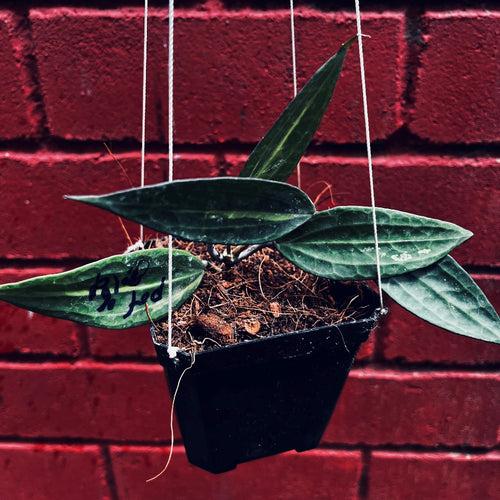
(262,295)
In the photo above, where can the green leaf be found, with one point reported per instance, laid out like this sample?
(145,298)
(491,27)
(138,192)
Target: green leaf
(215,210)
(446,296)
(279,152)
(339,243)
(112,292)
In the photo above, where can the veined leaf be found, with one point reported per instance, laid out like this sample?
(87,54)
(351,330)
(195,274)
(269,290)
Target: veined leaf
(279,152)
(339,243)
(112,292)
(214,210)
(446,296)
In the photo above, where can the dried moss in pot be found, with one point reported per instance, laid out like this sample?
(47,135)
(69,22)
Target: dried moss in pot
(263,296)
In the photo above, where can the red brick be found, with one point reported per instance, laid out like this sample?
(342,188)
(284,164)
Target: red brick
(24,332)
(32,199)
(84,400)
(29,471)
(135,342)
(367,349)
(433,476)
(409,339)
(455,96)
(459,190)
(90,66)
(320,474)
(16,108)
(228,87)
(193,166)
(380,407)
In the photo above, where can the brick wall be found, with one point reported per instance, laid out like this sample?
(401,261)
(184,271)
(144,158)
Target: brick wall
(83,412)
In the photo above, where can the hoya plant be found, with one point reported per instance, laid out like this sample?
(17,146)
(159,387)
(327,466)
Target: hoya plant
(259,209)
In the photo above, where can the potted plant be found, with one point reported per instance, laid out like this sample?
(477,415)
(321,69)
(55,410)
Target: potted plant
(266,293)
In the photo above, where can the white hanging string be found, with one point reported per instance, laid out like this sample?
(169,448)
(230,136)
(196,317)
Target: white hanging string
(369,150)
(144,101)
(294,71)
(294,56)
(172,351)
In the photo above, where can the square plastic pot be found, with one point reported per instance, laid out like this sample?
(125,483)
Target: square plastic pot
(266,396)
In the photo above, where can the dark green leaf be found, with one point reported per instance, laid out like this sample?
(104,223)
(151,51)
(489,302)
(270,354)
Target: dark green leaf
(111,293)
(339,243)
(279,152)
(446,296)
(215,210)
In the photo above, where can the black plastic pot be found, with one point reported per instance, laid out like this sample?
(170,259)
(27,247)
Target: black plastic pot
(265,396)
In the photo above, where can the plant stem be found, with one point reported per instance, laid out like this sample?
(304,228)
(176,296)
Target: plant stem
(232,256)
(247,251)
(212,251)
(227,256)
(238,249)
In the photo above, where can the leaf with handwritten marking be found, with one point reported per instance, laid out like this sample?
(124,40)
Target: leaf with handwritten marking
(339,243)
(279,152)
(112,292)
(446,296)
(214,210)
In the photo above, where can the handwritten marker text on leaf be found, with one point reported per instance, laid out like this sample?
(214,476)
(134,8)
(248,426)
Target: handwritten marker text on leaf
(112,292)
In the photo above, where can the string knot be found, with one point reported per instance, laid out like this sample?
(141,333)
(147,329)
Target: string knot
(172,351)
(384,311)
